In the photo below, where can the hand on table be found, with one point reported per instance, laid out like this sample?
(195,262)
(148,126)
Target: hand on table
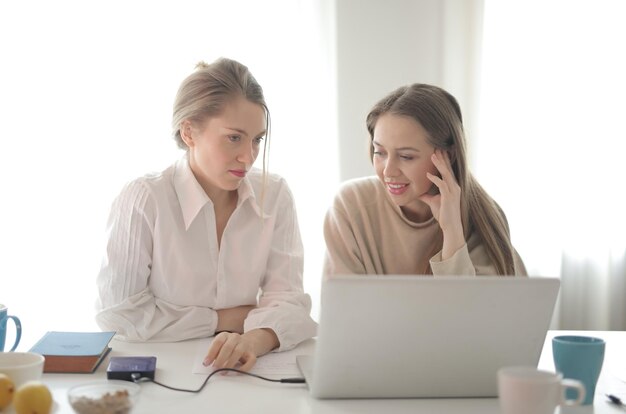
(233,350)
(230,349)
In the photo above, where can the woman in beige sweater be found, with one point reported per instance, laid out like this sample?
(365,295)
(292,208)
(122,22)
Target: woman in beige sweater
(424,213)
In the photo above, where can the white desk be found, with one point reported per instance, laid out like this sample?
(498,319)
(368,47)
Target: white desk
(242,394)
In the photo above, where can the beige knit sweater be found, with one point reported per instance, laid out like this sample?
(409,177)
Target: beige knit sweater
(366,233)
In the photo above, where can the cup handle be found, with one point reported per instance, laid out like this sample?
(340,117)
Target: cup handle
(577,385)
(18,331)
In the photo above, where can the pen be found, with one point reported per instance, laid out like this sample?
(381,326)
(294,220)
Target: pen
(614,399)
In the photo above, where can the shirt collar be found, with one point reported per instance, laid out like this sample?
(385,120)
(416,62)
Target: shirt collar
(192,196)
(190,193)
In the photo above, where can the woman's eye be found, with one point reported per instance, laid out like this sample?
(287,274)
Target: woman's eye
(234,138)
(378,153)
(406,157)
(258,140)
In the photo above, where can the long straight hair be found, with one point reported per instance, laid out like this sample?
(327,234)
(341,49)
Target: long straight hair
(439,113)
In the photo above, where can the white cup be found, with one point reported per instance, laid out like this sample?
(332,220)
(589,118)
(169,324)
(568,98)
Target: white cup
(21,366)
(524,390)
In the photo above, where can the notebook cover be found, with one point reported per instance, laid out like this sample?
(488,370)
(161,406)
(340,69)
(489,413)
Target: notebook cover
(79,352)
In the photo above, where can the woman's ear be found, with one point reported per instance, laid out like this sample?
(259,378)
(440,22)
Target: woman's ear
(186,132)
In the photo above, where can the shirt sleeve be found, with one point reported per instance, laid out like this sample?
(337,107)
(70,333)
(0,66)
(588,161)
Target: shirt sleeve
(283,306)
(342,252)
(125,302)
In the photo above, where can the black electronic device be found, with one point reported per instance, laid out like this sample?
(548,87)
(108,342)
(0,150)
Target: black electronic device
(123,367)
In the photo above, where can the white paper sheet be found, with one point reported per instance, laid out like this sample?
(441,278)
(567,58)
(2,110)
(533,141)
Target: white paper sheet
(273,365)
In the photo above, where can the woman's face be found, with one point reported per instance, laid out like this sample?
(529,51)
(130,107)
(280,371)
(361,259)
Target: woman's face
(223,148)
(402,157)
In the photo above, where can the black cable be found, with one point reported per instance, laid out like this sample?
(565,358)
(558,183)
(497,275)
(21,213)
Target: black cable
(137,378)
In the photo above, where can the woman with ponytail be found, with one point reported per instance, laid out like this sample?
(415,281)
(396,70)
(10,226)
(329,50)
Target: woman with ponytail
(424,213)
(211,245)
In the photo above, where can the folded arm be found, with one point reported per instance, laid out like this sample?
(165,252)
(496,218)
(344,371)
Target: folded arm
(125,301)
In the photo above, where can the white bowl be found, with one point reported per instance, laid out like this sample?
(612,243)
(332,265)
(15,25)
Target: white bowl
(21,366)
(108,396)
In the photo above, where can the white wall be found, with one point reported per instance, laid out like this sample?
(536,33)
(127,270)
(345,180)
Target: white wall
(86,91)
(382,45)
(51,234)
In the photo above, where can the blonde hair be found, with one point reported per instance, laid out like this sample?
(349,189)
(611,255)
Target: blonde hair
(206,92)
(439,113)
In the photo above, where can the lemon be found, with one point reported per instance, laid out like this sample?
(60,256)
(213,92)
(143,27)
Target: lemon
(32,397)
(6,391)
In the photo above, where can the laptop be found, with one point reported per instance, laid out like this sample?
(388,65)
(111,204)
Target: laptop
(414,336)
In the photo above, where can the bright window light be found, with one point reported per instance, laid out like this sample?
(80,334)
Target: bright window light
(86,95)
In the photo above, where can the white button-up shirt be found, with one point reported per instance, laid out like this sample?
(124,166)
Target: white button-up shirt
(163,276)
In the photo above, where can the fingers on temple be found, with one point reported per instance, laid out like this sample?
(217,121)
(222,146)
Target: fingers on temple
(441,160)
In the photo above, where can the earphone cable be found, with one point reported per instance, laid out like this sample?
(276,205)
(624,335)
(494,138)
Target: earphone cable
(137,378)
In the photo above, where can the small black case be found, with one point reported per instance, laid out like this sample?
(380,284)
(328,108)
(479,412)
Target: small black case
(122,368)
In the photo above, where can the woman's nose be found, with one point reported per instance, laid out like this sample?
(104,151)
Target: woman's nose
(247,155)
(390,169)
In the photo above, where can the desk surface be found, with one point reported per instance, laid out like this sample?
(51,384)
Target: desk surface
(242,394)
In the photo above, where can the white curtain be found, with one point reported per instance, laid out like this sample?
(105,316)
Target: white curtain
(551,146)
(85,106)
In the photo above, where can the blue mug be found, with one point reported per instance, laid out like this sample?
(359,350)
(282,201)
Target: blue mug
(579,358)
(4,317)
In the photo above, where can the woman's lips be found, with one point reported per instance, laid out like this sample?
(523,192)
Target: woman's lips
(397,188)
(238,173)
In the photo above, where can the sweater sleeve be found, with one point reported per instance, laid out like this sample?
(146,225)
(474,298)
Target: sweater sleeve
(471,260)
(125,303)
(343,255)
